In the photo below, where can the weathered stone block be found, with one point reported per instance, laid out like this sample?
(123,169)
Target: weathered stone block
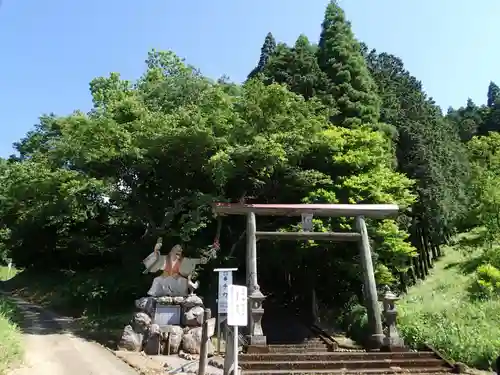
(194,316)
(172,336)
(192,301)
(141,322)
(191,342)
(146,305)
(153,340)
(130,340)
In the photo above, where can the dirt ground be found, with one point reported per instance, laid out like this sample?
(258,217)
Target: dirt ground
(159,364)
(51,349)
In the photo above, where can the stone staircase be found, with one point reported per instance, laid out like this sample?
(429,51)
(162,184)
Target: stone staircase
(315,356)
(313,345)
(301,348)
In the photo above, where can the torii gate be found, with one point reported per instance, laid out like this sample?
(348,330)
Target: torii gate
(358,211)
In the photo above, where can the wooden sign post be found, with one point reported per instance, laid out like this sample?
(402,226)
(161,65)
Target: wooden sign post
(225,280)
(237,316)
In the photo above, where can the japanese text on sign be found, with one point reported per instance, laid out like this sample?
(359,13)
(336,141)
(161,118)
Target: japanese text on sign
(225,280)
(237,312)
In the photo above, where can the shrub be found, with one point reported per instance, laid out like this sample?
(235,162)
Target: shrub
(356,324)
(486,282)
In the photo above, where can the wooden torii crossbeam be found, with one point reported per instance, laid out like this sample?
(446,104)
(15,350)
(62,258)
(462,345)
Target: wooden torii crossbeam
(358,211)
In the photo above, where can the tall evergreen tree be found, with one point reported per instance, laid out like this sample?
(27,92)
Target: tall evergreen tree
(340,57)
(429,148)
(493,94)
(268,48)
(467,120)
(492,118)
(297,68)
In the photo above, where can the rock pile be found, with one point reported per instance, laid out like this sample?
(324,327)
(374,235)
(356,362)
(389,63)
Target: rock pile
(143,333)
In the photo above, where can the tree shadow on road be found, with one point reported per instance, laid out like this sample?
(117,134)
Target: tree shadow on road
(48,310)
(35,320)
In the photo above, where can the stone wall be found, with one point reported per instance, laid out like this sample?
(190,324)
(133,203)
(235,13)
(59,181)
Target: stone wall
(147,332)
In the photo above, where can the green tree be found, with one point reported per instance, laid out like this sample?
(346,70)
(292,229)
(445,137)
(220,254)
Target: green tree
(340,57)
(485,205)
(428,148)
(492,117)
(493,94)
(51,215)
(297,68)
(152,155)
(266,52)
(467,120)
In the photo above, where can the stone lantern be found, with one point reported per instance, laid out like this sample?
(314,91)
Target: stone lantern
(392,340)
(256,298)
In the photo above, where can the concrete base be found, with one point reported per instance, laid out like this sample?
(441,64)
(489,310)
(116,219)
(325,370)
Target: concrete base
(257,340)
(397,349)
(257,349)
(376,341)
(393,341)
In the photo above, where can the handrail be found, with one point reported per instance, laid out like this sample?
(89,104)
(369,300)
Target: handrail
(325,337)
(440,355)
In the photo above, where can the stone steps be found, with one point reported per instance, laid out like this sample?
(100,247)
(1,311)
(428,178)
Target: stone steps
(318,358)
(302,349)
(420,371)
(350,364)
(335,356)
(297,348)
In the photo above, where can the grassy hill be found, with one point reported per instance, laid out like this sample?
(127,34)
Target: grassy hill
(444,311)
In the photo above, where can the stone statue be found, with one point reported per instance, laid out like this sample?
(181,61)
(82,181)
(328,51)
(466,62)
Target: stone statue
(175,280)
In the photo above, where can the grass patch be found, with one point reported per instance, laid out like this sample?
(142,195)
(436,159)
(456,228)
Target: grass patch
(440,311)
(6,274)
(11,349)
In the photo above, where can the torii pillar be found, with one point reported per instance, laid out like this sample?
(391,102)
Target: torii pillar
(255,296)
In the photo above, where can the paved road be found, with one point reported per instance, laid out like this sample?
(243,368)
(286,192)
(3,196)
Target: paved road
(52,350)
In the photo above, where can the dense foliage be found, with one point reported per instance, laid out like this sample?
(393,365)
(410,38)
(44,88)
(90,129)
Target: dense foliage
(334,122)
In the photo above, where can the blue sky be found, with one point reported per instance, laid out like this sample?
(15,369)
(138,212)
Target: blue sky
(51,49)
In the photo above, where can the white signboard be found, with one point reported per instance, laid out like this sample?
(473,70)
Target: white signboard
(237,312)
(167,315)
(307,222)
(211,327)
(225,280)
